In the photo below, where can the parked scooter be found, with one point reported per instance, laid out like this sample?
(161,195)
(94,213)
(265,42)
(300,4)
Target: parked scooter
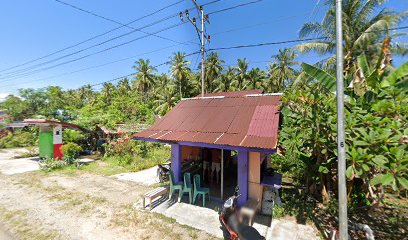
(162,172)
(231,222)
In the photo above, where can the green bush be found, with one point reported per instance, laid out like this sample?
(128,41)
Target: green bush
(126,146)
(20,138)
(140,156)
(50,164)
(71,150)
(74,136)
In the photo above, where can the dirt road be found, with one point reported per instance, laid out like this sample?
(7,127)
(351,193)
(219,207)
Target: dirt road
(39,206)
(4,234)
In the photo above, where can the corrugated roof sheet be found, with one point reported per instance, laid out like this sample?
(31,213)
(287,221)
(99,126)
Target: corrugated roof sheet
(234,120)
(232,94)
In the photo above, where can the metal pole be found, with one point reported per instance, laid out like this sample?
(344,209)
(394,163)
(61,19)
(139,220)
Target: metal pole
(222,174)
(341,147)
(202,52)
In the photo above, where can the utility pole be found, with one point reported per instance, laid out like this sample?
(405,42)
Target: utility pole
(341,145)
(201,35)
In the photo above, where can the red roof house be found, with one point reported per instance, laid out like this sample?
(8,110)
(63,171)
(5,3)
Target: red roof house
(244,122)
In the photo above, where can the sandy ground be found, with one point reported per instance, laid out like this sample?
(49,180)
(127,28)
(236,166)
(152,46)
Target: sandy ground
(4,234)
(81,207)
(146,177)
(35,205)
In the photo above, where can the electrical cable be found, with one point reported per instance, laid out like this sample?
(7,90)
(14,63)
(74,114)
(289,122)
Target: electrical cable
(161,64)
(94,37)
(293,41)
(113,21)
(19,72)
(233,7)
(91,54)
(87,48)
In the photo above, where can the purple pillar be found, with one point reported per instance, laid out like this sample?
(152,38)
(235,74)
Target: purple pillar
(176,161)
(242,177)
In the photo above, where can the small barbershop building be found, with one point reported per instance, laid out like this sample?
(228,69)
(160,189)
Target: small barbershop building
(226,138)
(50,136)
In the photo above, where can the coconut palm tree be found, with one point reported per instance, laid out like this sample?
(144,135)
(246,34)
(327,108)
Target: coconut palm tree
(241,74)
(213,69)
(282,72)
(85,93)
(166,99)
(107,92)
(255,78)
(224,82)
(365,25)
(144,79)
(180,71)
(162,81)
(123,87)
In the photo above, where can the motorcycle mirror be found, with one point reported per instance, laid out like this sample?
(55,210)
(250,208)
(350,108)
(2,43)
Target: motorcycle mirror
(237,188)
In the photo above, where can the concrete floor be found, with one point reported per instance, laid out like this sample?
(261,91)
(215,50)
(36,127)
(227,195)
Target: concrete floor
(146,177)
(206,219)
(9,165)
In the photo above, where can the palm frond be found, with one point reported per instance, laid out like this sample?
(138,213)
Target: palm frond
(319,47)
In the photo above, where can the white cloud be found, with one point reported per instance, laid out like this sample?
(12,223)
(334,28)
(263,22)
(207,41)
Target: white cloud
(3,96)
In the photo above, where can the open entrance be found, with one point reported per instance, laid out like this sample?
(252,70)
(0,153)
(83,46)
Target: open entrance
(217,168)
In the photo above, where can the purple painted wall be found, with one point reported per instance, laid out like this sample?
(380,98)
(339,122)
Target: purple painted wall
(176,161)
(242,177)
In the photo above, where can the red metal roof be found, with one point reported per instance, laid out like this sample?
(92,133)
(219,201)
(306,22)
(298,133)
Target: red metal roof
(233,120)
(233,94)
(47,122)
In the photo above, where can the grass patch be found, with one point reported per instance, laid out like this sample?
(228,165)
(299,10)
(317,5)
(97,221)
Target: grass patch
(71,200)
(19,225)
(118,164)
(83,202)
(127,217)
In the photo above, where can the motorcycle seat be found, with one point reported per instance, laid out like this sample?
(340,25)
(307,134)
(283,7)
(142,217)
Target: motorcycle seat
(243,231)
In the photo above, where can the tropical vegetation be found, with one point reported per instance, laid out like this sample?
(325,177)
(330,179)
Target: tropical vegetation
(376,104)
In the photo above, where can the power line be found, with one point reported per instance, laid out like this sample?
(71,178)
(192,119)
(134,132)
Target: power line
(94,37)
(25,72)
(161,64)
(94,53)
(241,46)
(87,48)
(113,21)
(92,67)
(293,41)
(266,44)
(236,6)
(22,72)
(225,48)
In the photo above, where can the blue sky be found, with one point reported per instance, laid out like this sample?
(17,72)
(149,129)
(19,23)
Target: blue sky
(31,29)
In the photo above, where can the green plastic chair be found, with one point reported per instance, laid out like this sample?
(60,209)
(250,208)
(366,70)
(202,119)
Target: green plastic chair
(175,186)
(188,187)
(200,190)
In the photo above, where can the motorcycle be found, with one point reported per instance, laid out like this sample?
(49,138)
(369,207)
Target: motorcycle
(162,172)
(231,222)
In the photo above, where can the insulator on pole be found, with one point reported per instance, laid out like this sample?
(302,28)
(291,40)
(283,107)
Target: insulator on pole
(194,21)
(181,16)
(187,13)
